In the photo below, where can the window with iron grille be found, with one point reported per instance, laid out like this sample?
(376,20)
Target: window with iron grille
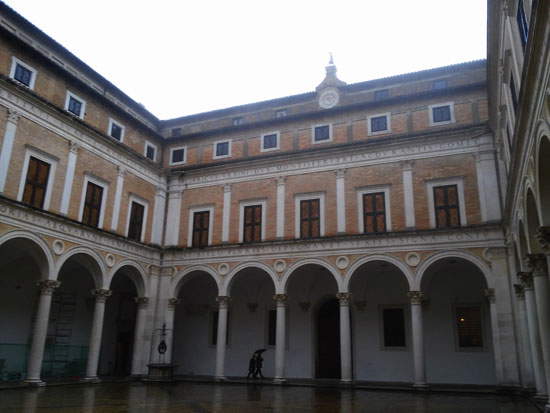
(92,204)
(394,327)
(381,94)
(468,326)
(441,114)
(23,74)
(321,133)
(252,225)
(523,27)
(446,205)
(310,219)
(74,106)
(201,223)
(378,123)
(374,212)
(136,221)
(36,182)
(272,328)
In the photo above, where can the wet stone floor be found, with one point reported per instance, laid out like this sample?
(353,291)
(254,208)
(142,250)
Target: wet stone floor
(202,398)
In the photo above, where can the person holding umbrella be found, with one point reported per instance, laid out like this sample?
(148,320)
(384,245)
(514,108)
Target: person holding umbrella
(252,366)
(259,363)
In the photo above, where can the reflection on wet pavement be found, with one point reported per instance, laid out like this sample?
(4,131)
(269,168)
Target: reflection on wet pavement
(202,398)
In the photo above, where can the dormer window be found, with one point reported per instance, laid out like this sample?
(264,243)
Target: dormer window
(238,121)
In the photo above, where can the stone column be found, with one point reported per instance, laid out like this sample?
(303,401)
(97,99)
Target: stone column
(345,337)
(523,342)
(341,201)
(408,194)
(69,177)
(280,207)
(226,213)
(280,339)
(40,331)
(534,333)
(489,293)
(101,296)
(7,146)
(118,197)
(540,281)
(418,339)
(171,237)
(170,313)
(223,302)
(137,356)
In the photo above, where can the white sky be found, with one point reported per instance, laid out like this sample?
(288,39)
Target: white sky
(187,56)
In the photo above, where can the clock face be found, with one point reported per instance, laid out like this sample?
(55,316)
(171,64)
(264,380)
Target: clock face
(329,98)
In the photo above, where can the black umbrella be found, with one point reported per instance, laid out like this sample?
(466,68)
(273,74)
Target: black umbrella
(260,351)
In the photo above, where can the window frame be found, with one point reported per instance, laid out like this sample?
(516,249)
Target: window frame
(251,202)
(191,213)
(277,147)
(387,204)
(88,177)
(101,203)
(214,156)
(387,115)
(152,145)
(139,200)
(172,150)
(82,101)
(484,334)
(381,342)
(459,182)
(109,130)
(439,105)
(313,141)
(44,157)
(304,197)
(14,62)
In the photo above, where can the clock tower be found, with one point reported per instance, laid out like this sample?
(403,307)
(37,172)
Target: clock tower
(329,90)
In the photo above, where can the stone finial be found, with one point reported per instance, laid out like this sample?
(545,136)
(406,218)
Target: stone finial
(344,298)
(101,294)
(490,294)
(47,286)
(416,297)
(526,279)
(537,262)
(543,237)
(331,80)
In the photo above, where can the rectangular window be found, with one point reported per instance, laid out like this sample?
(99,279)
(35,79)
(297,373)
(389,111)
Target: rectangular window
(374,212)
(136,221)
(92,204)
(513,93)
(115,130)
(252,223)
(150,151)
(201,222)
(441,114)
(22,74)
(36,182)
(394,327)
(321,133)
(270,141)
(439,84)
(381,94)
(523,27)
(310,218)
(280,113)
(222,149)
(178,156)
(468,326)
(75,105)
(446,206)
(378,123)
(272,328)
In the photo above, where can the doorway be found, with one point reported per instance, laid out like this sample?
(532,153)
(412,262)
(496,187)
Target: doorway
(328,340)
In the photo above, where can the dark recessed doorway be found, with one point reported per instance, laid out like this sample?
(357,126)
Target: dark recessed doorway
(328,340)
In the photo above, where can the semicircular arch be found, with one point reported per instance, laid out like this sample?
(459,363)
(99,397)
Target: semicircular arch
(49,273)
(228,281)
(405,270)
(99,273)
(137,275)
(311,261)
(182,277)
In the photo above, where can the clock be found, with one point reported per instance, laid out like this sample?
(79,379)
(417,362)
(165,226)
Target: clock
(329,98)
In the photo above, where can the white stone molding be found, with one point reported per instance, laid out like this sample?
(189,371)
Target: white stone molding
(97,269)
(226,213)
(412,259)
(242,205)
(280,232)
(387,115)
(408,194)
(69,177)
(58,247)
(341,200)
(223,268)
(110,260)
(201,208)
(277,147)
(7,146)
(121,172)
(119,124)
(214,156)
(279,265)
(159,211)
(342,262)
(104,196)
(14,62)
(45,157)
(459,182)
(387,205)
(172,150)
(488,187)
(171,237)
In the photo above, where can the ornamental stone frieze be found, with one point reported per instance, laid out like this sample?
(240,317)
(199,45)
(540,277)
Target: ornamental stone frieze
(280,299)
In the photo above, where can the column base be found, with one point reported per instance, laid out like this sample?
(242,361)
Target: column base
(279,380)
(421,386)
(220,378)
(34,382)
(91,380)
(346,382)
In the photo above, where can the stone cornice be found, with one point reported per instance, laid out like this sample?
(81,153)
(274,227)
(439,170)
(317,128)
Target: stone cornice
(469,237)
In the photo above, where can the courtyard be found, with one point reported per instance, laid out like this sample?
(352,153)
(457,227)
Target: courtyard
(202,398)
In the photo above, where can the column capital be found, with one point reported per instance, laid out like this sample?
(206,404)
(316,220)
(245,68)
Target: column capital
(47,286)
(344,298)
(173,302)
(13,116)
(120,171)
(73,147)
(538,264)
(520,291)
(340,173)
(416,297)
(280,299)
(407,165)
(174,195)
(141,301)
(227,188)
(526,279)
(223,300)
(101,294)
(281,180)
(489,293)
(543,237)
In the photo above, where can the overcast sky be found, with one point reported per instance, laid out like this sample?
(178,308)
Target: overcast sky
(184,57)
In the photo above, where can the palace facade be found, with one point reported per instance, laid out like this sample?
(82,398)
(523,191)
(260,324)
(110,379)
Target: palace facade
(392,231)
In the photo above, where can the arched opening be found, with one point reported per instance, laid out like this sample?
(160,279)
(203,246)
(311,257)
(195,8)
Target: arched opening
(544,179)
(71,316)
(309,288)
(117,343)
(458,339)
(381,323)
(533,223)
(22,265)
(251,321)
(195,325)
